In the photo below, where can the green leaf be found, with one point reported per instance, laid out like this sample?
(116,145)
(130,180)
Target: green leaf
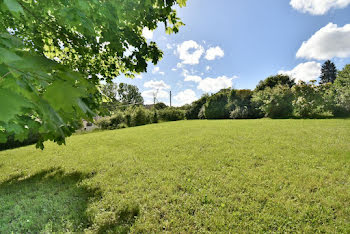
(14,6)
(3,70)
(182,3)
(11,104)
(62,95)
(54,40)
(3,137)
(7,56)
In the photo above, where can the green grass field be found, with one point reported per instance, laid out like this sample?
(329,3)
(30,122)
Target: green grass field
(188,176)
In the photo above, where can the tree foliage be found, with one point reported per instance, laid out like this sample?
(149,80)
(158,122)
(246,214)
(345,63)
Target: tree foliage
(308,100)
(160,106)
(193,111)
(171,114)
(328,72)
(216,106)
(241,106)
(119,97)
(54,53)
(273,81)
(275,102)
(342,90)
(129,94)
(109,92)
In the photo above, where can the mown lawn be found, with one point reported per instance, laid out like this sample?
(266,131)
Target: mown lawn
(188,176)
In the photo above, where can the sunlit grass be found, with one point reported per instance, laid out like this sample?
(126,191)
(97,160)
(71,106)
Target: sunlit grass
(188,176)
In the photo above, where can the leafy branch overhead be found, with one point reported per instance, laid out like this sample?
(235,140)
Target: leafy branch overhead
(53,53)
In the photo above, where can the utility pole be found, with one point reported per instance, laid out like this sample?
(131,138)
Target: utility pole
(170,98)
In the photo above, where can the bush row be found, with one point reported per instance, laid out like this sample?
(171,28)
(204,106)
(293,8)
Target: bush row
(278,97)
(138,116)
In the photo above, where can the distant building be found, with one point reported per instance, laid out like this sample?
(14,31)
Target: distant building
(88,126)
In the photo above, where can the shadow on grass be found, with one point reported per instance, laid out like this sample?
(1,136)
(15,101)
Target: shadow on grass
(51,201)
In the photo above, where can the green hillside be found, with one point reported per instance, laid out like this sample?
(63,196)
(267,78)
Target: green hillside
(187,176)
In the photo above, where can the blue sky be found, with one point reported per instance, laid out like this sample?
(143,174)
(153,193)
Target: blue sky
(237,43)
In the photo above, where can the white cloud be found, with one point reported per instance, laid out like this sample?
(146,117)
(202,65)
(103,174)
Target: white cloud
(179,65)
(214,52)
(157,70)
(157,89)
(138,76)
(153,84)
(174,69)
(318,7)
(185,97)
(211,85)
(148,34)
(208,68)
(169,46)
(304,71)
(185,72)
(190,52)
(329,42)
(196,79)
(148,96)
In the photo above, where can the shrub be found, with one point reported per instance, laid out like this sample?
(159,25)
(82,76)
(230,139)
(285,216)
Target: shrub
(241,97)
(134,116)
(171,114)
(195,108)
(216,106)
(116,119)
(240,113)
(140,116)
(308,100)
(275,102)
(111,122)
(128,118)
(201,114)
(122,125)
(241,106)
(104,123)
(155,117)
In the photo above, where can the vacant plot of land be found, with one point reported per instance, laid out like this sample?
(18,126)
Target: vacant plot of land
(189,176)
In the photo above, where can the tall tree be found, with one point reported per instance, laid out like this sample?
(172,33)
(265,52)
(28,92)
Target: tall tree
(342,90)
(328,72)
(54,52)
(109,103)
(120,95)
(129,94)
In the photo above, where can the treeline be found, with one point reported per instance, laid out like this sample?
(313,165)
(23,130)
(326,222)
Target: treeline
(275,97)
(280,97)
(138,115)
